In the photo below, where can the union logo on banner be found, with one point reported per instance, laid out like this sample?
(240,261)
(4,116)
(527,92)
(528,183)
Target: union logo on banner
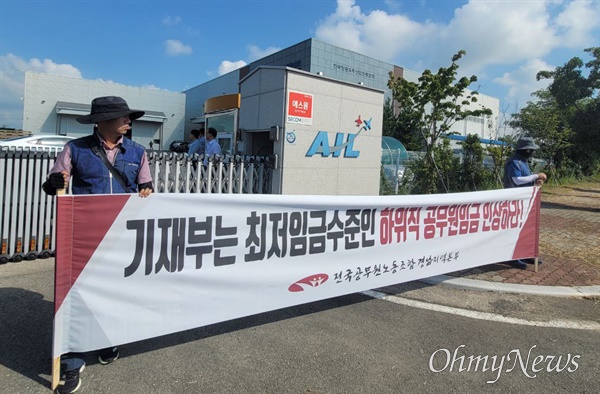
(309,281)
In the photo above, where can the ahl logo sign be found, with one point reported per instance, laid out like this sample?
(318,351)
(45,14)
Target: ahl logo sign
(343,142)
(309,281)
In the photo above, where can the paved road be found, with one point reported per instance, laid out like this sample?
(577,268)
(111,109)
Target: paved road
(352,344)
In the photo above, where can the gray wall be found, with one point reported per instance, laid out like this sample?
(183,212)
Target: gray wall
(43,91)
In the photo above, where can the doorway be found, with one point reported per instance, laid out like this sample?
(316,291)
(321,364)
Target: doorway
(225,123)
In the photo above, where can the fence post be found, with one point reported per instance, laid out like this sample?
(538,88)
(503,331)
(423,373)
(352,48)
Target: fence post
(261,172)
(209,176)
(231,163)
(220,176)
(250,189)
(241,172)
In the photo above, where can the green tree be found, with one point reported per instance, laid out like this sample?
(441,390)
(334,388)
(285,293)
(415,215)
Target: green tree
(444,172)
(473,175)
(499,155)
(385,186)
(578,104)
(545,121)
(400,127)
(431,107)
(569,85)
(389,122)
(586,139)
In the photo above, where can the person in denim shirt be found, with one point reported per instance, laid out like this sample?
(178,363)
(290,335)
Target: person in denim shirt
(198,144)
(212,146)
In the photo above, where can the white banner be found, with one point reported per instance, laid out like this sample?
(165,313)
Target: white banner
(130,268)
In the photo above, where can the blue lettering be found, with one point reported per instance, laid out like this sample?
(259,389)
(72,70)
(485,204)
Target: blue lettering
(339,145)
(321,146)
(350,152)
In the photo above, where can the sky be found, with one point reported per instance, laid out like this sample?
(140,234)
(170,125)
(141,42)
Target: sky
(175,45)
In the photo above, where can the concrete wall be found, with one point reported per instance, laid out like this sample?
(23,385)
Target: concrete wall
(43,91)
(263,94)
(263,99)
(336,107)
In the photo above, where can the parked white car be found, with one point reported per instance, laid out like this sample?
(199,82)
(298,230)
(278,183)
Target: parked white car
(36,142)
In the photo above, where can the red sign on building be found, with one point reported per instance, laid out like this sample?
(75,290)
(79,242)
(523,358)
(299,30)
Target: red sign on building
(300,108)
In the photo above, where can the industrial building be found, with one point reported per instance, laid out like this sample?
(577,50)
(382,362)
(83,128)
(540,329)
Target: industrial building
(52,102)
(330,61)
(315,109)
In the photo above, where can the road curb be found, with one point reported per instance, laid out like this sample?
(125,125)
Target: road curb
(483,285)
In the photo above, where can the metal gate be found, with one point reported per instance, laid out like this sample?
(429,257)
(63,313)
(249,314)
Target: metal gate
(27,214)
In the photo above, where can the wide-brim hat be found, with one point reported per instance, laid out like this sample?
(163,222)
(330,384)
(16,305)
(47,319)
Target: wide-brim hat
(109,108)
(526,143)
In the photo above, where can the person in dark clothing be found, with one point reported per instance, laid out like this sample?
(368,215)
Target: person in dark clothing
(516,170)
(518,174)
(102,163)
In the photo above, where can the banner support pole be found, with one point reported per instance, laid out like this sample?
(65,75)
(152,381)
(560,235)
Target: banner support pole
(538,208)
(56,360)
(55,372)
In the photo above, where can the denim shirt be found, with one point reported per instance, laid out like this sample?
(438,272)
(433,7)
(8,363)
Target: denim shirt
(197,146)
(516,166)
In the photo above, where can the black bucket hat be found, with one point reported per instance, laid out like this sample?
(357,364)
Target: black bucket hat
(109,108)
(526,143)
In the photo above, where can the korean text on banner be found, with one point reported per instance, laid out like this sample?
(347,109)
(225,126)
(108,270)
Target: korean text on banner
(130,268)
